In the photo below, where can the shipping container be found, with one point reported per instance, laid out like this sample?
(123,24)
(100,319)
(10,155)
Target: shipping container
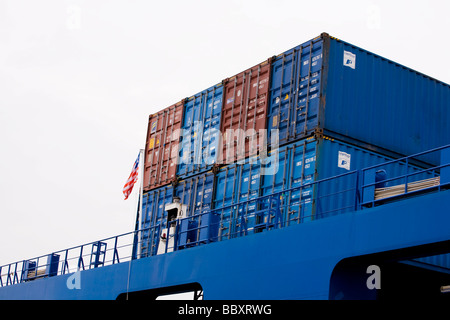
(235,183)
(153,214)
(327,85)
(195,224)
(196,193)
(227,180)
(161,149)
(244,112)
(302,171)
(200,135)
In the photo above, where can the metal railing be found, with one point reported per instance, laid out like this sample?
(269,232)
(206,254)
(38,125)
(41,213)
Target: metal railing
(87,256)
(311,201)
(417,176)
(340,194)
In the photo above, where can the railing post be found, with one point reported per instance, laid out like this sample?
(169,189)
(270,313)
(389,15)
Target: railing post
(23,272)
(66,264)
(368,186)
(8,278)
(80,260)
(116,254)
(135,245)
(175,236)
(357,193)
(406,176)
(445,162)
(15,274)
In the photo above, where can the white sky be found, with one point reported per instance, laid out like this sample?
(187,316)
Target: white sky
(78,80)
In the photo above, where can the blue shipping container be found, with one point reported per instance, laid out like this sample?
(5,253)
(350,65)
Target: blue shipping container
(153,214)
(200,132)
(237,183)
(197,194)
(334,87)
(305,162)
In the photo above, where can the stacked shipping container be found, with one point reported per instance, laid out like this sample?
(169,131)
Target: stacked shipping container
(244,113)
(335,107)
(161,150)
(200,135)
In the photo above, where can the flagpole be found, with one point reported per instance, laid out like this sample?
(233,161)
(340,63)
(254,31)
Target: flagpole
(141,192)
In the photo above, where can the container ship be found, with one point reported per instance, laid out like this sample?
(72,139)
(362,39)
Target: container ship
(322,173)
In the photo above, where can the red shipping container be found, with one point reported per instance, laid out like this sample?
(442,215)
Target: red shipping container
(246,96)
(161,149)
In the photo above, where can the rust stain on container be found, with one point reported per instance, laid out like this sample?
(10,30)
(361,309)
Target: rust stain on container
(161,149)
(244,112)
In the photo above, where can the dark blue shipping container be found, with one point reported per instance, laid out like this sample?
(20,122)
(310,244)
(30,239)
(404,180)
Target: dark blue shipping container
(236,183)
(200,133)
(307,161)
(153,214)
(331,86)
(301,163)
(197,194)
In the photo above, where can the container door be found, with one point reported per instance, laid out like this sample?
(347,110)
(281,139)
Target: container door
(306,108)
(273,178)
(248,189)
(153,216)
(208,223)
(244,113)
(227,179)
(162,147)
(200,132)
(295,91)
(302,169)
(196,194)
(284,69)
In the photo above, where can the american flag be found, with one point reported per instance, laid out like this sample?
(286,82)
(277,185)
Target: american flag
(128,187)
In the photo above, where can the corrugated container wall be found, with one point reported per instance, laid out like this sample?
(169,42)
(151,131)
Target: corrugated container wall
(200,135)
(295,91)
(331,86)
(236,183)
(153,214)
(161,150)
(197,194)
(244,112)
(312,159)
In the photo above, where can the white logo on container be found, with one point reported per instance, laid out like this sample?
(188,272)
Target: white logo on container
(349,59)
(344,160)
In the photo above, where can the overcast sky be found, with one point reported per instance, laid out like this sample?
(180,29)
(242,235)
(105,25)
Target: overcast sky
(78,80)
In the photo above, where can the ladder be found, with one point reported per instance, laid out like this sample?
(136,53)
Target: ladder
(98,254)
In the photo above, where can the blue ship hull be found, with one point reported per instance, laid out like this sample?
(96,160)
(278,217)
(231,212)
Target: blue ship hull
(323,259)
